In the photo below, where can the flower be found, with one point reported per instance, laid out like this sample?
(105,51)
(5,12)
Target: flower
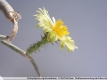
(55,29)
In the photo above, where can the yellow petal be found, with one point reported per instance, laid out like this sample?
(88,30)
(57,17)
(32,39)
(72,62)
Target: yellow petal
(46,29)
(62,45)
(70,44)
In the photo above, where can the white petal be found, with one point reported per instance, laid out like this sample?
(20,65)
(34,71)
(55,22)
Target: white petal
(53,20)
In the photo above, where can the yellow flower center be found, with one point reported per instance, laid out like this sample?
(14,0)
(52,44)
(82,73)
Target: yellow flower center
(60,29)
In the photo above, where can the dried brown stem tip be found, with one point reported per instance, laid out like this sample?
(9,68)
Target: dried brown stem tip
(11,15)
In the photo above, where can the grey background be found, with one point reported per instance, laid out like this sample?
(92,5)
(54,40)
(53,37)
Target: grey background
(87,22)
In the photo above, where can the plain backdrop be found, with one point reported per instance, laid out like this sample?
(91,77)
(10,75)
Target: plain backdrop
(87,23)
